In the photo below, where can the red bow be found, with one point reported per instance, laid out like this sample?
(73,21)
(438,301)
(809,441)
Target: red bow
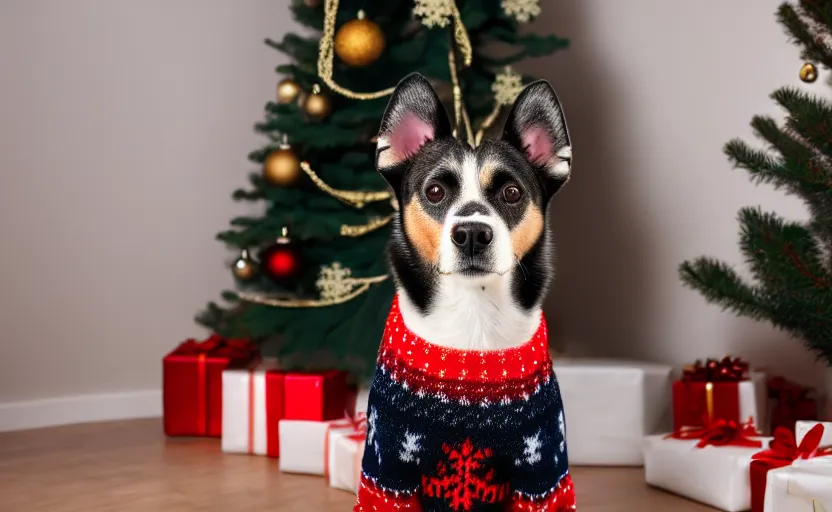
(784,450)
(218,346)
(726,370)
(721,433)
(194,347)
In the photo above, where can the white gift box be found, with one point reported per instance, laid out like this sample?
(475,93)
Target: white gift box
(345,451)
(252,406)
(716,476)
(610,406)
(803,427)
(797,488)
(305,444)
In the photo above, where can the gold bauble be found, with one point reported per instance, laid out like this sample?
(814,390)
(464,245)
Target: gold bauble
(287,91)
(317,106)
(808,72)
(244,268)
(359,43)
(282,167)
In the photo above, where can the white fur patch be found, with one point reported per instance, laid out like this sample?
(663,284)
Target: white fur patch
(565,152)
(466,317)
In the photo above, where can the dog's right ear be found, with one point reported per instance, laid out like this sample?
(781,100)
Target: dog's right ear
(414,117)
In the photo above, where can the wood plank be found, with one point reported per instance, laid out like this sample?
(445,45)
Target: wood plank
(130,466)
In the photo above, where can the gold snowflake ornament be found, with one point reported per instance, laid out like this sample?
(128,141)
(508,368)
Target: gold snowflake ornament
(521,10)
(434,13)
(507,85)
(333,281)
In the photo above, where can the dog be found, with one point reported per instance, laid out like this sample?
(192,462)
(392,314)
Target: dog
(464,412)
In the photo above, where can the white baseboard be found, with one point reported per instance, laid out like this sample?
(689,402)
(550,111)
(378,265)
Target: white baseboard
(80,409)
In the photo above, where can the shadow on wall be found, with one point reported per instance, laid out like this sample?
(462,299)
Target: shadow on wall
(602,301)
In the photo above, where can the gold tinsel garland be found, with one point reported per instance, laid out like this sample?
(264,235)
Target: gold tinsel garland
(357,199)
(362,285)
(361,230)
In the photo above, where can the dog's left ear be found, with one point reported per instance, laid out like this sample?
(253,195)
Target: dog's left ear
(536,126)
(414,117)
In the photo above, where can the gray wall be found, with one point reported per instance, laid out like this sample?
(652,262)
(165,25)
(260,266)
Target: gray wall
(124,126)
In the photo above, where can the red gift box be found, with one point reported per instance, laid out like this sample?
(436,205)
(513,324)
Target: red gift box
(315,396)
(791,403)
(708,393)
(192,384)
(782,451)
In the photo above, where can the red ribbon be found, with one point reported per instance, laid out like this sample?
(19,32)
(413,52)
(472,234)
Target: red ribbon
(726,370)
(784,449)
(721,433)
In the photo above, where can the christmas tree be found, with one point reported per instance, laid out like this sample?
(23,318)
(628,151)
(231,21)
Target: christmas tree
(312,277)
(791,262)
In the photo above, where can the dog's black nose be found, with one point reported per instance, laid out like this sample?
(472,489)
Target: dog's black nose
(472,237)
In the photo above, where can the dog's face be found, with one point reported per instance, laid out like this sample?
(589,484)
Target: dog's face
(474,215)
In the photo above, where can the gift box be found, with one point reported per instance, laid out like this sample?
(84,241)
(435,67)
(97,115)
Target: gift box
(803,427)
(709,465)
(305,444)
(316,396)
(610,406)
(720,390)
(252,406)
(346,448)
(192,384)
(790,403)
(784,452)
(806,485)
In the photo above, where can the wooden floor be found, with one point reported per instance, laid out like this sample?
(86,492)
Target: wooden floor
(130,467)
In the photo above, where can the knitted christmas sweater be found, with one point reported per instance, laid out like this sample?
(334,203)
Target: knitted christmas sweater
(462,430)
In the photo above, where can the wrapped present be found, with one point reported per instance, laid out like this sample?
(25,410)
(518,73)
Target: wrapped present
(803,427)
(610,407)
(790,403)
(805,485)
(192,384)
(316,396)
(709,465)
(720,390)
(305,444)
(252,406)
(344,453)
(776,463)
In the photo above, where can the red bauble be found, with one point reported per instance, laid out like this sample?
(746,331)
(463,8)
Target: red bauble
(281,262)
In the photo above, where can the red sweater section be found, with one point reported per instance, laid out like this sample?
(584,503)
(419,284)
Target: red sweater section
(475,375)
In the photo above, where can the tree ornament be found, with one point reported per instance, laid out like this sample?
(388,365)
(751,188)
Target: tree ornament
(281,261)
(507,86)
(244,268)
(434,13)
(359,42)
(521,10)
(334,281)
(808,73)
(288,91)
(282,167)
(317,106)
(312,3)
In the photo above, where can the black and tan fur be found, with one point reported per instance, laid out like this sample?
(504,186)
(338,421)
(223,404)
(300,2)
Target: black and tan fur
(473,267)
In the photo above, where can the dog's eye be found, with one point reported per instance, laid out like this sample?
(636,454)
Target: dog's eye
(435,193)
(512,194)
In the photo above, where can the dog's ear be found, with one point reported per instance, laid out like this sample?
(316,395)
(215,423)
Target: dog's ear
(414,117)
(536,126)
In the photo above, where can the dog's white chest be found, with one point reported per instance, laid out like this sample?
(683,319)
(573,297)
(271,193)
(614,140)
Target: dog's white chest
(471,318)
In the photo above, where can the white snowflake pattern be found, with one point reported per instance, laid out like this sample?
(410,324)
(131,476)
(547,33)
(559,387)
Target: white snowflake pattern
(521,10)
(507,85)
(410,447)
(532,449)
(434,13)
(371,426)
(333,281)
(562,428)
